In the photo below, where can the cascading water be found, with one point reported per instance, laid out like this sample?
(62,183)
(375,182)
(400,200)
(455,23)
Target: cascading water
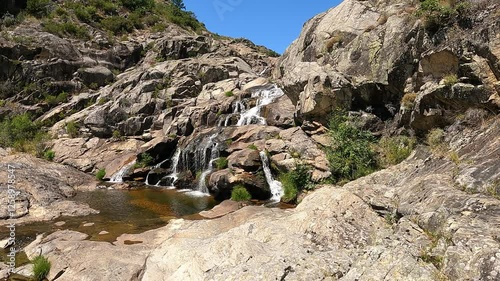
(238,108)
(118,176)
(214,155)
(264,97)
(205,164)
(201,156)
(175,163)
(154,168)
(274,185)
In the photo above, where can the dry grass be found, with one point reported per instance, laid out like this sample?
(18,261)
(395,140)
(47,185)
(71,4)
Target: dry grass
(334,41)
(450,80)
(382,19)
(370,28)
(408,100)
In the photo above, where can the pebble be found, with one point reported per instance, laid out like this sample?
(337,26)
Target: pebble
(104,232)
(89,224)
(60,223)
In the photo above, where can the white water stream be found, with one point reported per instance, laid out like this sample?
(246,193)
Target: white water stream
(118,176)
(263,97)
(274,185)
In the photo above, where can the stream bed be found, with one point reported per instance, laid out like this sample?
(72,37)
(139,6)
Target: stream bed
(121,211)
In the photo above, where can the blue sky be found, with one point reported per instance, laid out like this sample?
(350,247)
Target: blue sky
(272,23)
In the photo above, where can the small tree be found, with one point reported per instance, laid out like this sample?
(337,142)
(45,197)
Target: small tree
(179,4)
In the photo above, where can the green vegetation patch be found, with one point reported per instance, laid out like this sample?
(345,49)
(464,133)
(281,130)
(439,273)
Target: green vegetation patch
(41,268)
(23,135)
(394,150)
(144,160)
(351,154)
(295,181)
(117,17)
(240,193)
(100,174)
(437,14)
(221,163)
(73,129)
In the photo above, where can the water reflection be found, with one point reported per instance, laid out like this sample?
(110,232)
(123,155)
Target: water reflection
(121,211)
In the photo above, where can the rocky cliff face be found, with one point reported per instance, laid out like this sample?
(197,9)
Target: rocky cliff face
(367,55)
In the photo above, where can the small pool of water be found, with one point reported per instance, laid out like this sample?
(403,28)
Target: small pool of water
(121,211)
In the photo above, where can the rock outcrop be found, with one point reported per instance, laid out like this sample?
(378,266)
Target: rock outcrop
(366,55)
(409,222)
(43,189)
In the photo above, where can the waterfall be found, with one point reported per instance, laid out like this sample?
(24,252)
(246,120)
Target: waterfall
(274,185)
(200,155)
(118,176)
(214,155)
(264,97)
(175,163)
(207,166)
(238,108)
(154,168)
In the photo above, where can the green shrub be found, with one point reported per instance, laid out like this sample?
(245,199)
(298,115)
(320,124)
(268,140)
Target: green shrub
(351,154)
(87,14)
(434,14)
(144,160)
(394,150)
(178,16)
(41,268)
(450,80)
(136,19)
(102,101)
(66,28)
(138,4)
(290,190)
(240,193)
(117,25)
(107,6)
(23,135)
(221,163)
(229,94)
(117,134)
(454,157)
(55,100)
(151,20)
(435,138)
(295,181)
(36,146)
(100,174)
(253,147)
(49,155)
(8,21)
(159,27)
(72,129)
(179,4)
(18,130)
(39,8)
